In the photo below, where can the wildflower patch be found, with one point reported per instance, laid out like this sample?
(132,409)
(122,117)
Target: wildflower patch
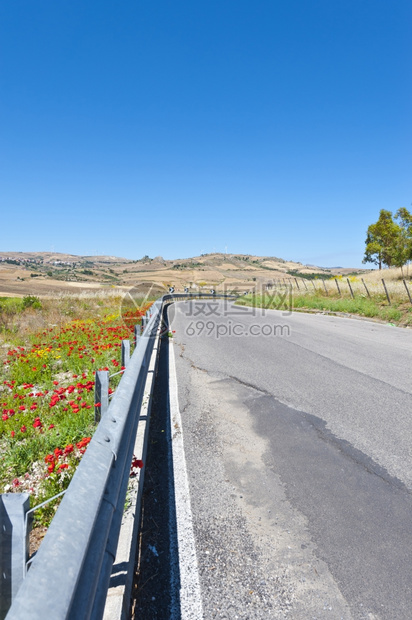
(47,403)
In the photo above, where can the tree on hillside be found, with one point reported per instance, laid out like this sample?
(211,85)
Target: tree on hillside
(389,242)
(403,251)
(381,239)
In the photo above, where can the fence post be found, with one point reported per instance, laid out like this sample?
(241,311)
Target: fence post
(407,290)
(14,546)
(304,283)
(350,288)
(101,394)
(324,285)
(125,352)
(313,284)
(297,283)
(337,286)
(386,291)
(365,287)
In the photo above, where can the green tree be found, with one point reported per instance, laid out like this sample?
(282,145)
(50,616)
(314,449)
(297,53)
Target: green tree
(403,250)
(382,240)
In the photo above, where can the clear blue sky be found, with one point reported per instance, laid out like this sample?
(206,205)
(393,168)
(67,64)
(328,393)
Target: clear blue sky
(180,127)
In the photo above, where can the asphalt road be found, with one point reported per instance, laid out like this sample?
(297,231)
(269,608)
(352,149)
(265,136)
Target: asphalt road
(298,434)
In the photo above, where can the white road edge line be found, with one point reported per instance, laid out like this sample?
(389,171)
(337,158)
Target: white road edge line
(190,596)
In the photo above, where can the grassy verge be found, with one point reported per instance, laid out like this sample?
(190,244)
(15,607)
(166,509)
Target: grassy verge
(376,306)
(50,351)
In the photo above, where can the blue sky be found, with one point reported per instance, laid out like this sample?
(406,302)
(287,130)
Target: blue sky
(179,128)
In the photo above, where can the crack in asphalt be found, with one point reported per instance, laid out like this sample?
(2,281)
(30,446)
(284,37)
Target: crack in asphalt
(225,376)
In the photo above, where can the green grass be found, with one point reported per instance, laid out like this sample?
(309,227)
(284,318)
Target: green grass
(371,307)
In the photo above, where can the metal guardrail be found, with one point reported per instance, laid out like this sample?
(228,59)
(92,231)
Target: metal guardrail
(69,576)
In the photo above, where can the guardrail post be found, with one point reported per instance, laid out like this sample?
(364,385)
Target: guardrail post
(101,394)
(125,352)
(14,546)
(136,334)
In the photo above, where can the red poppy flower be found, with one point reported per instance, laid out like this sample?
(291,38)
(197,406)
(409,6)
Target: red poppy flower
(137,463)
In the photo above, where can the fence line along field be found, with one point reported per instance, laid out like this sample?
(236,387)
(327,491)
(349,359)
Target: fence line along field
(50,351)
(386,298)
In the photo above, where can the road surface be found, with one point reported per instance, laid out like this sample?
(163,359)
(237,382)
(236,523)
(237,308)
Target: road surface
(297,433)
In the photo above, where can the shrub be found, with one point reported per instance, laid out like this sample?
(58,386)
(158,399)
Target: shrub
(30,301)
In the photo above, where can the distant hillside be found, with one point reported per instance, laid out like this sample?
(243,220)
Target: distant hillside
(40,273)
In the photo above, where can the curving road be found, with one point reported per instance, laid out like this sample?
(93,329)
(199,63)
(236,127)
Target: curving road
(298,440)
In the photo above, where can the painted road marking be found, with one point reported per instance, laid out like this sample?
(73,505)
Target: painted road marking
(190,607)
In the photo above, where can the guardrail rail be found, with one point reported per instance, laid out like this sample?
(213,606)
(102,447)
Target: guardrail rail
(70,574)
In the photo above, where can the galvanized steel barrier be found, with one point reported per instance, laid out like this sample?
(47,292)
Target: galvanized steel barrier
(69,576)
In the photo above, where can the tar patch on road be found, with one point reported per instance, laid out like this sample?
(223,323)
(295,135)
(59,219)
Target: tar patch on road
(358,515)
